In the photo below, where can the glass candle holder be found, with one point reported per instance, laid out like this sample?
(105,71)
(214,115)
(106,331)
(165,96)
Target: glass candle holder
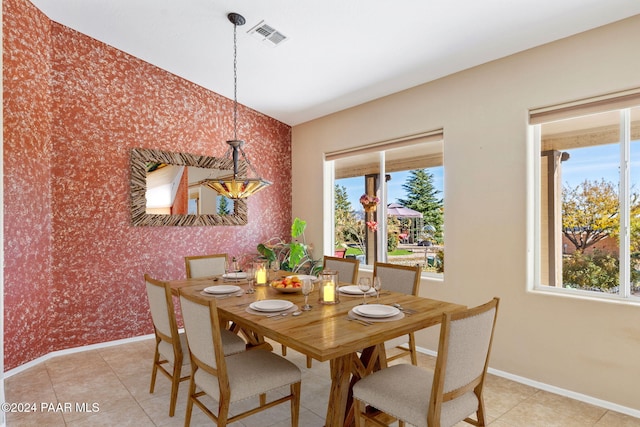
(328,286)
(260,269)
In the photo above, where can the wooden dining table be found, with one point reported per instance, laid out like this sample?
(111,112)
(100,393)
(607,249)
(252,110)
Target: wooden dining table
(324,333)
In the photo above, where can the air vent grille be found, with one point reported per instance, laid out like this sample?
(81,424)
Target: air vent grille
(267,34)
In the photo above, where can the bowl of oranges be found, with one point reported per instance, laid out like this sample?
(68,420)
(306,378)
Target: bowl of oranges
(289,284)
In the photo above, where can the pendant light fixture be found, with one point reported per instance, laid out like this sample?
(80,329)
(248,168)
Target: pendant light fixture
(234,186)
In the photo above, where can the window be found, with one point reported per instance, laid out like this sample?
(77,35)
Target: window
(405,178)
(588,197)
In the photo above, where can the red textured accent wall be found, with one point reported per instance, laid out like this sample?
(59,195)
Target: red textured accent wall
(73,108)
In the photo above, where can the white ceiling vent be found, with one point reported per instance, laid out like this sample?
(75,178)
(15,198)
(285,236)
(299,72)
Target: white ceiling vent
(267,34)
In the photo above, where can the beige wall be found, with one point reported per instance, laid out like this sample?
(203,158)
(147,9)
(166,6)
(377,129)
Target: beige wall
(585,346)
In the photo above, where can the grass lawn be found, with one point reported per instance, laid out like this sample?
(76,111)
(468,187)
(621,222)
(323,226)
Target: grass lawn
(356,251)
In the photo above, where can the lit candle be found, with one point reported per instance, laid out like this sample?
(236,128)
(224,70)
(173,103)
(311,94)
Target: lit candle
(329,291)
(261,275)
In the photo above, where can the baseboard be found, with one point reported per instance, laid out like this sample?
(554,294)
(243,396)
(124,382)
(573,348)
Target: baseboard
(553,389)
(67,351)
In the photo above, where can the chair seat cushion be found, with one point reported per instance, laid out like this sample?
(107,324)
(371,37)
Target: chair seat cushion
(231,342)
(250,373)
(404,391)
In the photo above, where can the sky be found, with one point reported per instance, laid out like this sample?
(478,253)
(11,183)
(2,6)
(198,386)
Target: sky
(593,163)
(355,186)
(599,162)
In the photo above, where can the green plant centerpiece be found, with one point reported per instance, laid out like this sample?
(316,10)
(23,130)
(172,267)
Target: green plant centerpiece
(296,255)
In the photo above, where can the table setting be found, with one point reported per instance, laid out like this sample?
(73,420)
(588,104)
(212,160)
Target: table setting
(222,291)
(272,308)
(372,313)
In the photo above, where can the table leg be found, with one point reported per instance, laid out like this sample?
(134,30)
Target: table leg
(339,394)
(345,372)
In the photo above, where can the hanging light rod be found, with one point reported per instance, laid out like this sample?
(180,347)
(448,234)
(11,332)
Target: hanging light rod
(234,186)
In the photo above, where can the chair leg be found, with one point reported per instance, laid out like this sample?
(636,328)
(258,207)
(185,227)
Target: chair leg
(295,404)
(360,407)
(192,391)
(223,412)
(263,399)
(175,383)
(412,349)
(480,411)
(154,371)
(284,350)
(309,362)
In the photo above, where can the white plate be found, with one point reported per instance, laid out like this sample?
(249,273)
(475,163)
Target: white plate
(271,305)
(376,310)
(237,275)
(303,277)
(222,289)
(354,290)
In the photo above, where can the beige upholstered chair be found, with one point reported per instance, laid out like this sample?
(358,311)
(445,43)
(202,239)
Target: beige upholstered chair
(205,265)
(445,396)
(404,279)
(171,346)
(347,268)
(229,379)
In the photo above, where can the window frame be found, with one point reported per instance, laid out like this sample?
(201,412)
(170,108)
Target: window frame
(380,148)
(622,104)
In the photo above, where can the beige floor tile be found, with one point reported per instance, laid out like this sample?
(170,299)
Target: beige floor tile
(118,378)
(35,419)
(500,395)
(615,419)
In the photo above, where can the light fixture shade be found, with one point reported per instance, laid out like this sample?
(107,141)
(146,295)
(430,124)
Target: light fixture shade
(238,188)
(233,186)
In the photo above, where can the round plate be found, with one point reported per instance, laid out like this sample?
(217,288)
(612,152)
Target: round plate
(222,289)
(271,305)
(376,310)
(236,275)
(354,290)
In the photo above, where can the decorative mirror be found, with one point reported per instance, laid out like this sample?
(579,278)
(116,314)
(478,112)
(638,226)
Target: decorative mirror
(170,189)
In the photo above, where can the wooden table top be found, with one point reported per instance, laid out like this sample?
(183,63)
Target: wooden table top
(324,333)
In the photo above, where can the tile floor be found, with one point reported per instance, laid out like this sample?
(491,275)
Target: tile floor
(117,380)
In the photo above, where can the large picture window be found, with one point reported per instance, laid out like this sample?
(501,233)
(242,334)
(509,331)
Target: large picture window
(388,202)
(588,197)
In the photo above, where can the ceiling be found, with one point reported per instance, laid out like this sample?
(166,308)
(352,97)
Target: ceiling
(338,53)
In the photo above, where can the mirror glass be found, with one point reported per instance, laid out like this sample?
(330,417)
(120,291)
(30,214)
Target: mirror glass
(169,189)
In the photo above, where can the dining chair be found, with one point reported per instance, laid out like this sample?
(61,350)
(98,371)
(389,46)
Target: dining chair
(171,346)
(347,268)
(404,279)
(205,265)
(442,397)
(232,378)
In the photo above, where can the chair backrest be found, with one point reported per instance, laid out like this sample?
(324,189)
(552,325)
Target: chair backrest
(202,327)
(162,309)
(347,268)
(398,278)
(205,265)
(463,355)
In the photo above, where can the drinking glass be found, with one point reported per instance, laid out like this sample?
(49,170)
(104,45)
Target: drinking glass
(307,288)
(251,277)
(377,285)
(364,284)
(275,267)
